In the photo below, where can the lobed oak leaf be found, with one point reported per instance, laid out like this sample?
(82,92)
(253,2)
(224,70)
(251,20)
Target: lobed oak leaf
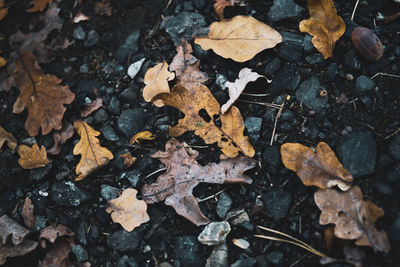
(32,157)
(94,156)
(60,138)
(156,80)
(52,232)
(127,210)
(324,24)
(184,173)
(7,137)
(145,135)
(320,168)
(27,213)
(229,135)
(239,38)
(39,5)
(182,59)
(41,94)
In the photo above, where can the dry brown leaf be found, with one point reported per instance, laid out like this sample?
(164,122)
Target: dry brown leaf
(182,59)
(52,232)
(32,157)
(3,9)
(103,8)
(156,80)
(94,156)
(246,75)
(60,138)
(192,77)
(41,94)
(39,5)
(220,5)
(145,135)
(93,106)
(27,213)
(324,24)
(320,168)
(184,173)
(239,38)
(7,137)
(127,210)
(128,159)
(229,136)
(351,216)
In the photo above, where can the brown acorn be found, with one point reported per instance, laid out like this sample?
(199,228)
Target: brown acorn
(367,44)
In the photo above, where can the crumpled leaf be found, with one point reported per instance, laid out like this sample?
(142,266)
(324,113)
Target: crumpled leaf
(60,138)
(94,156)
(93,106)
(145,135)
(156,80)
(192,77)
(220,5)
(239,38)
(7,137)
(27,213)
(38,5)
(13,242)
(324,24)
(128,159)
(182,59)
(229,136)
(52,232)
(353,217)
(3,10)
(320,168)
(246,75)
(41,94)
(127,210)
(32,157)
(184,173)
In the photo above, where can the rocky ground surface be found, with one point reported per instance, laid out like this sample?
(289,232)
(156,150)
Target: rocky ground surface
(363,131)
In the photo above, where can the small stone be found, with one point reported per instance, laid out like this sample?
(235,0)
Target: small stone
(40,223)
(220,80)
(291,37)
(349,77)
(92,38)
(100,116)
(79,33)
(132,121)
(223,205)
(384,188)
(286,79)
(133,177)
(253,126)
(187,251)
(126,261)
(272,66)
(114,105)
(39,173)
(108,132)
(243,262)
(200,4)
(394,147)
(112,69)
(130,95)
(332,71)
(272,158)
(80,233)
(277,202)
(80,253)
(109,192)
(284,9)
(124,241)
(128,48)
(314,59)
(308,93)
(218,257)
(240,218)
(134,68)
(241,243)
(275,257)
(363,84)
(214,233)
(84,68)
(308,45)
(290,51)
(66,193)
(185,25)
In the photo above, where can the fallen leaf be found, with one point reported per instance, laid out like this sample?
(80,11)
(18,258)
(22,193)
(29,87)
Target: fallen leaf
(41,94)
(80,17)
(3,62)
(127,210)
(60,138)
(239,38)
(182,59)
(32,157)
(156,80)
(7,137)
(145,135)
(52,232)
(324,24)
(229,135)
(3,9)
(220,5)
(103,8)
(246,75)
(93,106)
(94,156)
(39,5)
(320,168)
(128,159)
(192,77)
(184,173)
(351,216)
(27,213)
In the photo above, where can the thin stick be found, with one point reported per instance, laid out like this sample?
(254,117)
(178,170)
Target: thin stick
(385,74)
(354,10)
(210,197)
(157,171)
(255,94)
(276,122)
(297,261)
(390,135)
(261,103)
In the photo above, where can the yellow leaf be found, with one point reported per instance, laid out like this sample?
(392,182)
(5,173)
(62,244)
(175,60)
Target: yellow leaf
(31,158)
(94,156)
(156,80)
(38,5)
(145,135)
(128,159)
(324,24)
(3,62)
(240,38)
(3,10)
(7,137)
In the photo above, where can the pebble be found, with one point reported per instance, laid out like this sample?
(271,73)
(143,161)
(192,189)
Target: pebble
(284,9)
(286,79)
(363,84)
(185,25)
(133,177)
(200,4)
(40,223)
(214,233)
(129,47)
(80,233)
(92,38)
(241,243)
(272,158)
(332,71)
(114,105)
(291,37)
(134,68)
(39,173)
(352,60)
(187,251)
(66,193)
(275,257)
(394,147)
(124,241)
(79,33)
(111,69)
(272,66)
(129,95)
(132,121)
(308,93)
(80,253)
(100,116)
(223,205)
(240,218)
(243,262)
(253,126)
(108,132)
(109,192)
(126,261)
(314,58)
(308,45)
(84,68)
(349,77)
(290,51)
(220,80)
(357,153)
(277,201)
(384,188)
(393,174)
(218,257)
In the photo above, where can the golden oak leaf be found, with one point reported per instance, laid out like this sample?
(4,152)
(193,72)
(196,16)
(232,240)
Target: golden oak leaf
(7,137)
(128,159)
(3,9)
(320,168)
(145,135)
(41,94)
(39,5)
(127,210)
(32,157)
(3,62)
(229,136)
(156,80)
(239,38)
(324,24)
(93,155)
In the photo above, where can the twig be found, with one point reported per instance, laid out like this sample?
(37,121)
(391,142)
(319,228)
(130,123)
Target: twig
(255,94)
(261,103)
(157,171)
(298,204)
(297,261)
(390,135)
(385,74)
(354,10)
(275,123)
(210,197)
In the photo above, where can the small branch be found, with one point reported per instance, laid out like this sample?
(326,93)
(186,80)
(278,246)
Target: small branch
(255,94)
(261,103)
(276,122)
(385,74)
(354,10)
(210,197)
(157,171)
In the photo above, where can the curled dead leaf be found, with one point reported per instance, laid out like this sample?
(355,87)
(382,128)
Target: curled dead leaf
(7,137)
(32,157)
(156,80)
(38,5)
(60,138)
(93,106)
(145,135)
(27,213)
(52,232)
(128,159)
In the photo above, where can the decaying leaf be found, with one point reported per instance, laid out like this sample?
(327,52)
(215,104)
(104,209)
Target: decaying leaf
(145,135)
(229,135)
(324,24)
(3,9)
(41,94)
(103,8)
(128,159)
(7,137)
(192,77)
(220,5)
(239,38)
(183,174)
(13,242)
(60,138)
(182,59)
(93,106)
(52,232)
(351,216)
(246,75)
(127,210)
(27,213)
(94,156)
(38,5)
(156,80)
(32,157)
(320,168)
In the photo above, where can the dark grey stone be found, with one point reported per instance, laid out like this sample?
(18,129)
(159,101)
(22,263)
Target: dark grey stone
(109,192)
(80,253)
(308,45)
(357,153)
(253,126)
(133,177)
(124,241)
(286,79)
(277,202)
(128,48)
(126,261)
(394,232)
(290,37)
(185,25)
(39,173)
(284,9)
(200,4)
(272,66)
(290,51)
(314,58)
(131,121)
(80,233)
(84,68)
(275,257)
(384,188)
(308,93)
(40,223)
(79,33)
(66,193)
(363,84)
(112,69)
(223,205)
(92,38)
(243,262)
(114,105)
(393,174)
(100,116)
(187,251)
(332,71)
(108,132)
(129,94)
(272,158)
(394,147)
